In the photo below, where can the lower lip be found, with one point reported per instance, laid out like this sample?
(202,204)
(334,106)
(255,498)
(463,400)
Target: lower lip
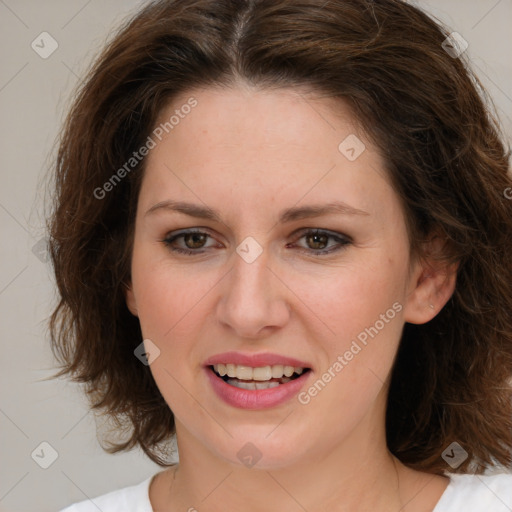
(257,398)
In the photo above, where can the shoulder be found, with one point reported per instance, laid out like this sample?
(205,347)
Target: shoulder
(129,499)
(475,493)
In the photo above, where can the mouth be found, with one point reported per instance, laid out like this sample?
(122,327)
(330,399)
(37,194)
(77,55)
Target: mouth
(256,381)
(257,378)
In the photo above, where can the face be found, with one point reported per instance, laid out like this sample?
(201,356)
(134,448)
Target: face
(291,251)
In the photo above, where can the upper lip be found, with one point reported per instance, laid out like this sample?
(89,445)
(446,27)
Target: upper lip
(255,360)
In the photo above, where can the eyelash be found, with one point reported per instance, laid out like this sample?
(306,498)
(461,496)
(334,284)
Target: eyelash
(341,240)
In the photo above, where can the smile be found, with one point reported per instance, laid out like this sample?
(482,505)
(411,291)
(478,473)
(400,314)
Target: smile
(254,378)
(256,381)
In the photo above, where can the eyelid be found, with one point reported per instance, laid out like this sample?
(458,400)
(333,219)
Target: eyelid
(341,239)
(174,235)
(321,231)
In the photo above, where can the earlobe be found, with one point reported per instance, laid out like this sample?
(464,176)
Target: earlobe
(431,287)
(131,303)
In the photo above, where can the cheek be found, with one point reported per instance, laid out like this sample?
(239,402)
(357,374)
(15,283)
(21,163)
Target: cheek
(171,313)
(167,295)
(173,308)
(352,298)
(360,328)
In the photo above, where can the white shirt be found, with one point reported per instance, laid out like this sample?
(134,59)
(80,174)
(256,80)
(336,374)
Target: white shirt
(465,493)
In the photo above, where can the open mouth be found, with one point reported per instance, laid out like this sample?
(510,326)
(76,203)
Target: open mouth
(264,377)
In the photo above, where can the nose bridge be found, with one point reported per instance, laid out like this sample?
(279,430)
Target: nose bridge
(249,285)
(251,299)
(250,277)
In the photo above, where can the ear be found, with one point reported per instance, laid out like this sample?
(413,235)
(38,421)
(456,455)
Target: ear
(431,284)
(131,303)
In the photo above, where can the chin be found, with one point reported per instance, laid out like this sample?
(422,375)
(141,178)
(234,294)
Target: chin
(261,450)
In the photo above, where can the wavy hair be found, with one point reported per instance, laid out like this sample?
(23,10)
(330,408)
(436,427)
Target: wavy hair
(425,111)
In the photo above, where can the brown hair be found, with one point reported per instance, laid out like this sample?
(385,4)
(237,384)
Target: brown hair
(419,105)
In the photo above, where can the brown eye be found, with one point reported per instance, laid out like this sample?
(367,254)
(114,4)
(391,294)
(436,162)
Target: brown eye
(317,241)
(194,240)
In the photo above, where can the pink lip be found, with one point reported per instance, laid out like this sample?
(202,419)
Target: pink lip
(257,398)
(255,360)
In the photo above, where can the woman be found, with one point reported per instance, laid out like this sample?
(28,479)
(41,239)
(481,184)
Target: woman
(281,232)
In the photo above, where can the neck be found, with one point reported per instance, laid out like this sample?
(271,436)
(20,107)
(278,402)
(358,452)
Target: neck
(313,485)
(357,474)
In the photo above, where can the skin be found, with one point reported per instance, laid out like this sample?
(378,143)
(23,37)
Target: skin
(249,154)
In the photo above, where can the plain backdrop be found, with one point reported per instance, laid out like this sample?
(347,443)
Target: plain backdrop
(34,96)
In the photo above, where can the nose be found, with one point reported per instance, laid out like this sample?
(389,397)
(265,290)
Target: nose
(253,299)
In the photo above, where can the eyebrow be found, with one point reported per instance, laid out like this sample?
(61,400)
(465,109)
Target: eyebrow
(287,215)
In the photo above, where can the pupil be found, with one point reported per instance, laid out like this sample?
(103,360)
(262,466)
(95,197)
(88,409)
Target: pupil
(318,239)
(196,238)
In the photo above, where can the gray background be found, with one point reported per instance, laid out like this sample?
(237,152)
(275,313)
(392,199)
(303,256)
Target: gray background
(34,96)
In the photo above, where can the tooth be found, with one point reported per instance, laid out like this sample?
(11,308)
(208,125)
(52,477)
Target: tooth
(242,384)
(266,385)
(243,372)
(253,386)
(284,380)
(288,371)
(262,373)
(231,370)
(277,371)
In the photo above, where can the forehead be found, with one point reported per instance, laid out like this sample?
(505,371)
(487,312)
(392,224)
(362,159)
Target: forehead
(261,145)
(248,119)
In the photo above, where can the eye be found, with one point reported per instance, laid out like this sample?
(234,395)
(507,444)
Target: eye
(194,240)
(318,241)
